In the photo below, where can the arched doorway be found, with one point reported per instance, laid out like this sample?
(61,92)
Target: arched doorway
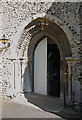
(35,32)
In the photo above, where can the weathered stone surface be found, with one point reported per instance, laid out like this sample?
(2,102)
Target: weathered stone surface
(15,16)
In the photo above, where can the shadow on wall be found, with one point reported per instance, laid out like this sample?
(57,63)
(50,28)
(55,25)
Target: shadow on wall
(27,76)
(27,85)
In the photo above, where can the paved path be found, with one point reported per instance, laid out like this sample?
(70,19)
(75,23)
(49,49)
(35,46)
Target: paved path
(34,107)
(54,105)
(12,109)
(48,103)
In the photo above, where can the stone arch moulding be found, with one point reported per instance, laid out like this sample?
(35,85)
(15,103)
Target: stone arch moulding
(46,28)
(24,32)
(33,33)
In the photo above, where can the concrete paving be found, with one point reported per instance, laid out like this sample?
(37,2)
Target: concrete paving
(13,109)
(36,106)
(53,105)
(48,103)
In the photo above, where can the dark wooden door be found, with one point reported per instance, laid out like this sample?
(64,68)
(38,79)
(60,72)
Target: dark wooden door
(53,70)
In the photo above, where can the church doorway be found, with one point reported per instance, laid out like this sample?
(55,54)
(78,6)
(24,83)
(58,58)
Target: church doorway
(47,68)
(46,36)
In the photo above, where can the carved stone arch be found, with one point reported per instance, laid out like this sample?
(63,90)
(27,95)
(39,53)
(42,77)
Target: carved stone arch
(23,42)
(46,28)
(34,32)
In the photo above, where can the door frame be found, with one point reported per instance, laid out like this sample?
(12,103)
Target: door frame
(56,34)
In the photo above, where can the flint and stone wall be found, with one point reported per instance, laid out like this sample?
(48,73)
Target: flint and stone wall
(15,16)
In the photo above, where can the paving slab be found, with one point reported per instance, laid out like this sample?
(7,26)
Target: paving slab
(53,105)
(36,106)
(19,107)
(15,110)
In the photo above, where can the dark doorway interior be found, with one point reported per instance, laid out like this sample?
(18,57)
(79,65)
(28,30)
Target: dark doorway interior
(53,70)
